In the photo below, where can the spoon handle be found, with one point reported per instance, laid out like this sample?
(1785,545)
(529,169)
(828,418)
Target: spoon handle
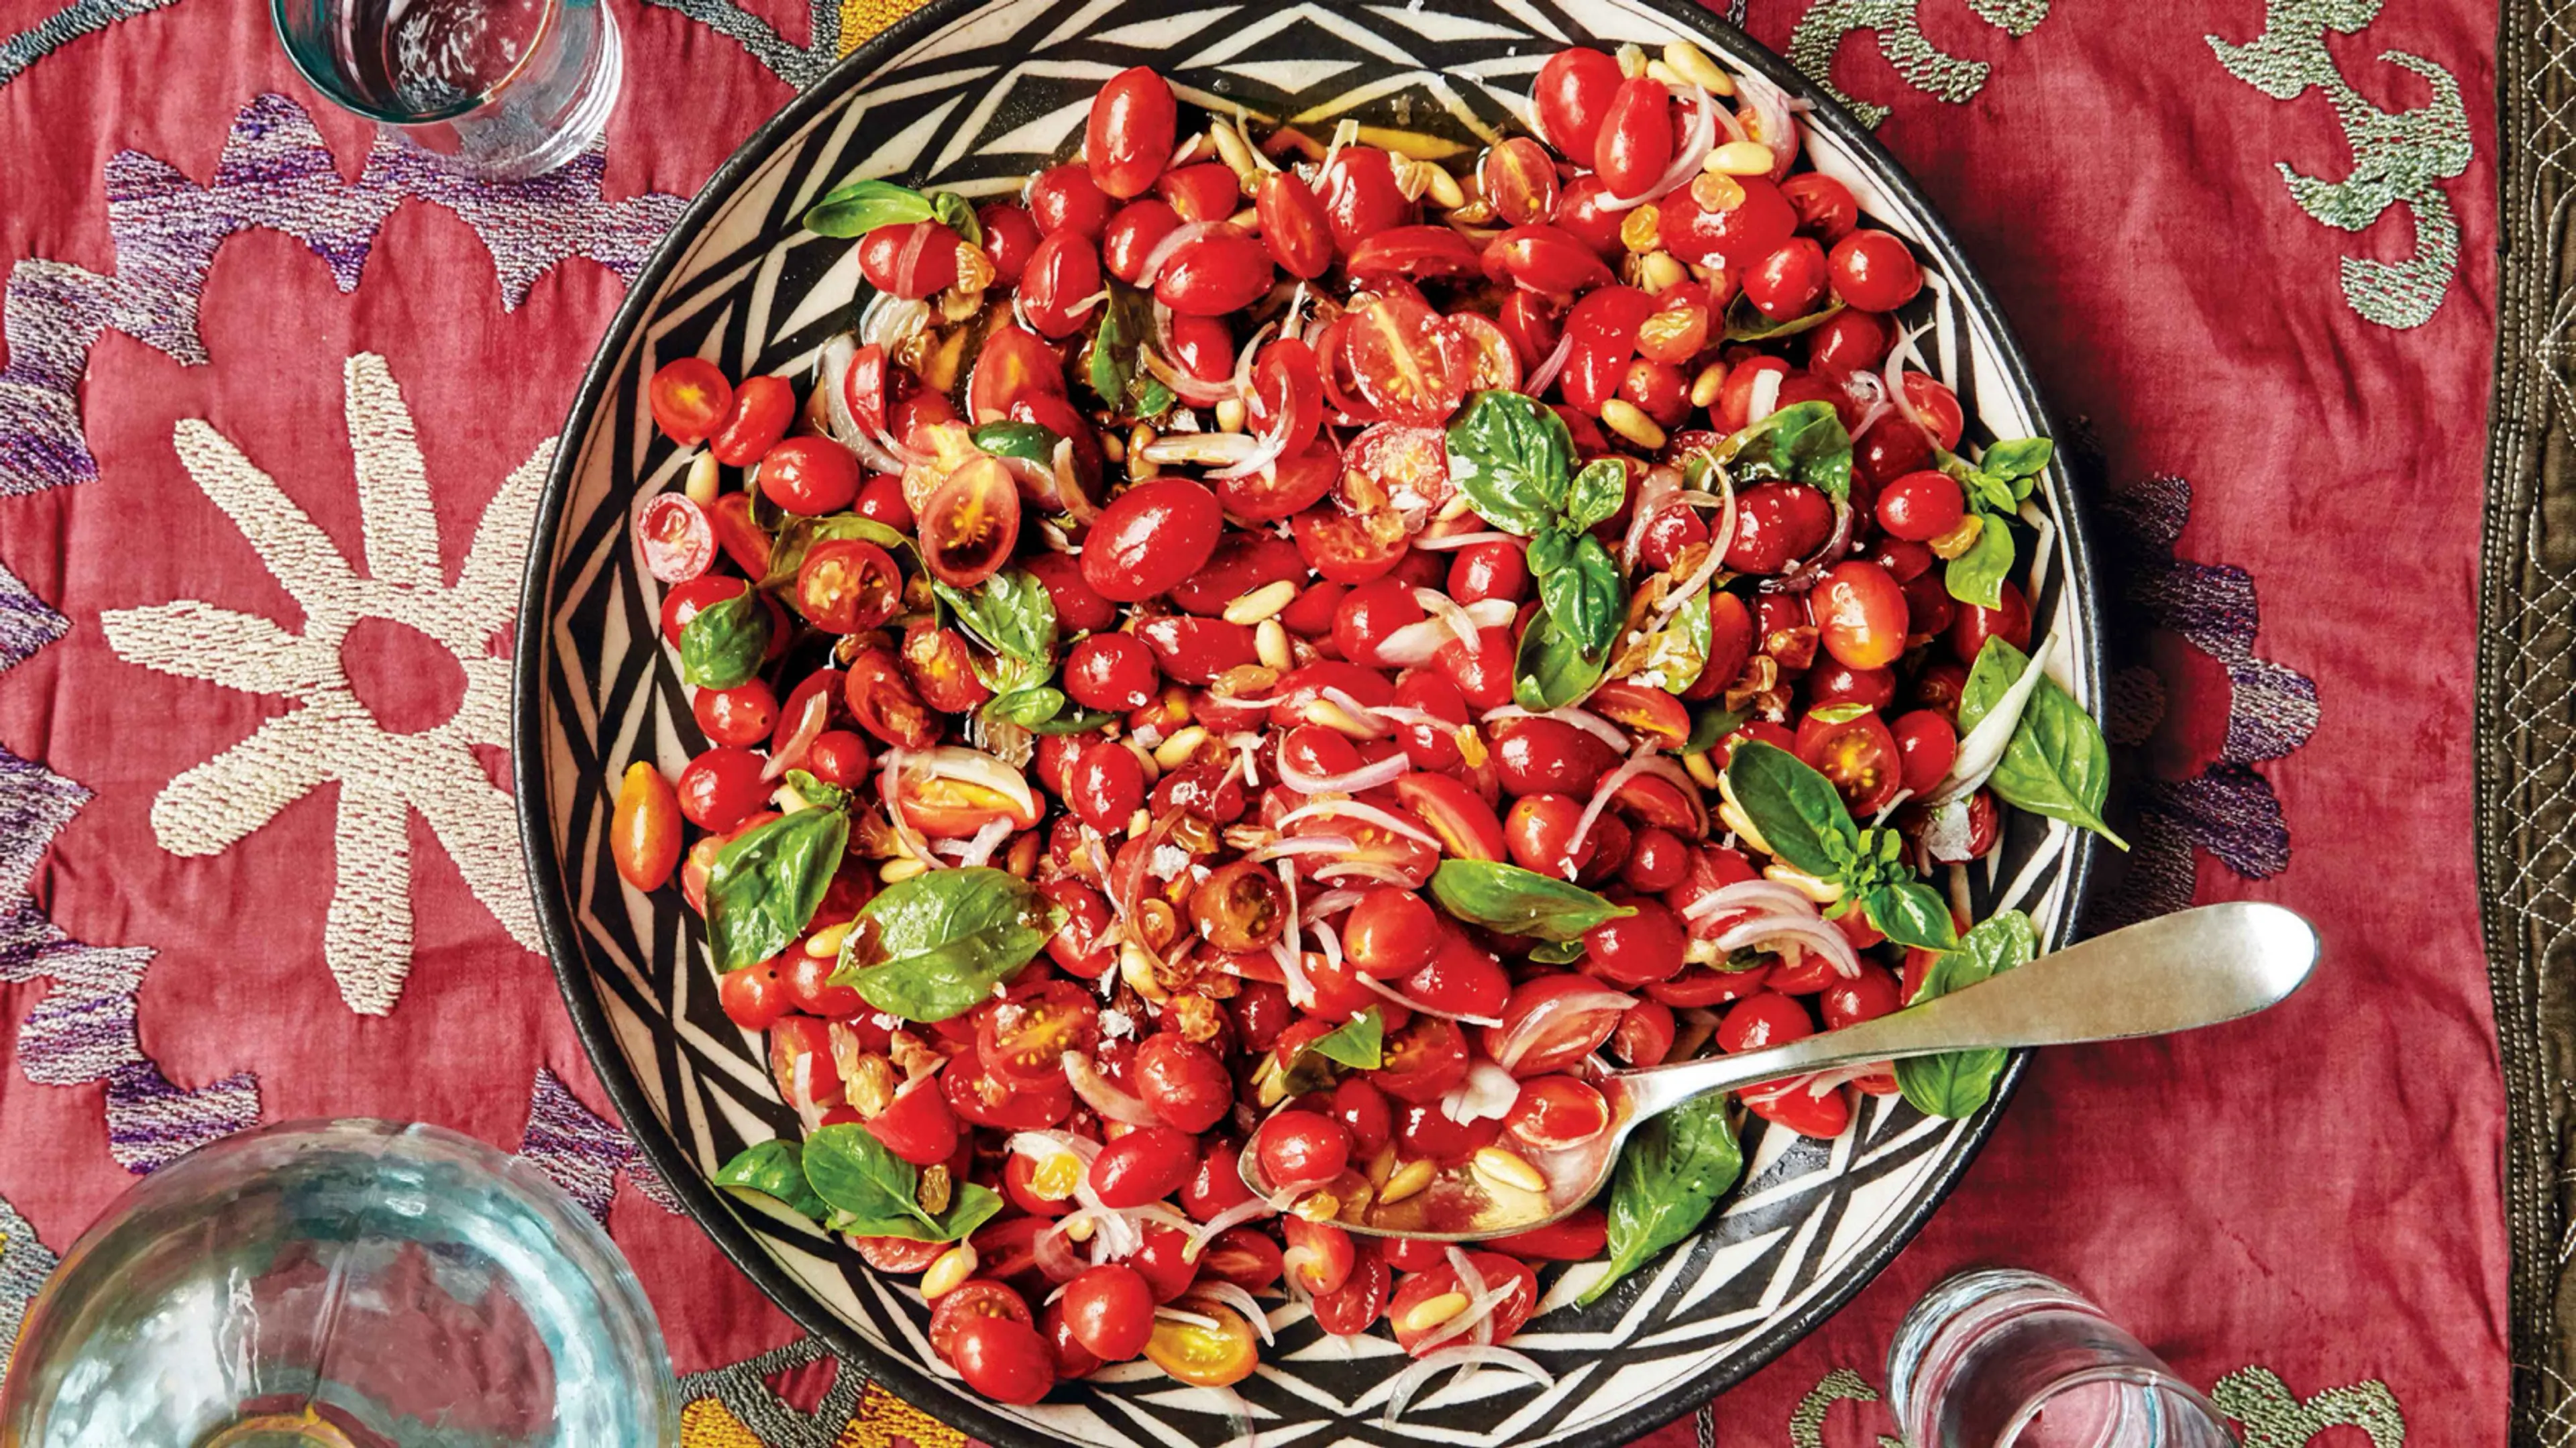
(2173,973)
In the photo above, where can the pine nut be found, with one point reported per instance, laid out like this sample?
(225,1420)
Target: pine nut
(948,1271)
(1632,59)
(1694,67)
(826,942)
(1407,1179)
(1741,158)
(702,483)
(1641,230)
(1661,271)
(1270,641)
(1959,539)
(1181,748)
(1715,192)
(1247,221)
(1444,190)
(1269,1082)
(1236,153)
(1823,892)
(1732,815)
(1624,418)
(1229,414)
(1079,1230)
(1194,148)
(1705,387)
(1139,466)
(1430,1312)
(1657,70)
(1506,1169)
(1113,447)
(1702,769)
(1260,603)
(1412,178)
(1338,719)
(905,868)
(1382,1167)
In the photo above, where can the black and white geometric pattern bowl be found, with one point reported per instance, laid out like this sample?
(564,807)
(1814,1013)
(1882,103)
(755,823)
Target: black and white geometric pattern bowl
(971,96)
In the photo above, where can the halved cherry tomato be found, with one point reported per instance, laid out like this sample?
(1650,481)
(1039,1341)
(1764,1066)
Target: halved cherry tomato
(1320,1255)
(1410,362)
(762,408)
(739,535)
(1024,1040)
(678,542)
(1011,363)
(1519,179)
(884,704)
(1287,401)
(1422,1061)
(1351,548)
(1417,253)
(1356,1305)
(1360,196)
(689,398)
(917,1126)
(987,1100)
(900,1255)
(1205,1357)
(847,584)
(1465,822)
(1855,752)
(1553,1113)
(1647,713)
(969,523)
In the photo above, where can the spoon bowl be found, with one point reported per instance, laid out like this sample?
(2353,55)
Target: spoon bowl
(2177,972)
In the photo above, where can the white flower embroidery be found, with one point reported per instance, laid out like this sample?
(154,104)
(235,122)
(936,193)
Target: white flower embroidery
(329,735)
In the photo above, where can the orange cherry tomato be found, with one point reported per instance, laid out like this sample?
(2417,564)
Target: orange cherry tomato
(644,832)
(1205,1357)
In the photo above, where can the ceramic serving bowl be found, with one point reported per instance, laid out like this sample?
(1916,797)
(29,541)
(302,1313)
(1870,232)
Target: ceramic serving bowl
(972,96)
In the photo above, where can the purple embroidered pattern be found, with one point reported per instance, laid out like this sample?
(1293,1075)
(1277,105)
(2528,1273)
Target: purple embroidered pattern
(2213,800)
(581,1153)
(276,173)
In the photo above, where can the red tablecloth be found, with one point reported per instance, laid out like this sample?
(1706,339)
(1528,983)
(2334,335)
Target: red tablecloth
(256,864)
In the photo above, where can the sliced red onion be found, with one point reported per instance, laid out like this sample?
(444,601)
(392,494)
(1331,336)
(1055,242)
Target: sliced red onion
(1948,832)
(1891,376)
(1661,484)
(1329,904)
(1184,1315)
(1069,495)
(1419,1008)
(1446,542)
(1103,1095)
(1810,930)
(979,850)
(1629,768)
(1367,813)
(1367,776)
(1983,748)
(1042,1144)
(1449,611)
(1361,714)
(1301,988)
(1366,870)
(1515,1043)
(1290,934)
(1476,1319)
(1268,448)
(1179,236)
(1233,1216)
(890,790)
(1694,149)
(1554,363)
(1804,576)
(1466,1356)
(1232,1295)
(1771,106)
(1189,389)
(1768,896)
(809,727)
(1202,449)
(1486,1094)
(1583,719)
(1328,940)
(801,1079)
(908,261)
(889,321)
(1034,479)
(1764,400)
(1301,845)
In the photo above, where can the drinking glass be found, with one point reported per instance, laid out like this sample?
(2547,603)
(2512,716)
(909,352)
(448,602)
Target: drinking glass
(496,89)
(2001,1358)
(358,1284)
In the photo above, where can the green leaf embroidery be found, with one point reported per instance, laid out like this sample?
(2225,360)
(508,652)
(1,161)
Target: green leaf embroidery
(768,882)
(1550,669)
(2057,763)
(1515,901)
(775,1169)
(722,644)
(1977,576)
(1797,811)
(859,207)
(874,1193)
(1509,454)
(1359,1044)
(936,945)
(1911,913)
(798,535)
(1595,494)
(1668,1180)
(1804,443)
(1956,1083)
(1584,594)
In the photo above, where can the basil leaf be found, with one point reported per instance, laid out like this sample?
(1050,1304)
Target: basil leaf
(1359,1044)
(1977,576)
(1998,664)
(1557,952)
(1678,653)
(1804,443)
(1519,902)
(1550,670)
(1585,596)
(2021,457)
(1911,913)
(775,1169)
(1745,322)
(1595,494)
(768,882)
(1126,320)
(722,644)
(860,207)
(934,946)
(1955,1083)
(798,535)
(1073,721)
(1017,440)
(874,1193)
(1667,1182)
(815,792)
(1509,454)
(1010,613)
(2057,763)
(1797,811)
(1150,396)
(1028,708)
(959,215)
(1712,723)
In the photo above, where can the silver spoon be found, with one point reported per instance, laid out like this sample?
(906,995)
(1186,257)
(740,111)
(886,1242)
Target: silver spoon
(2174,973)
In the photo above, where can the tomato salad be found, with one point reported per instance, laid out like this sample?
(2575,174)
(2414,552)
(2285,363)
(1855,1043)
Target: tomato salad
(1274,645)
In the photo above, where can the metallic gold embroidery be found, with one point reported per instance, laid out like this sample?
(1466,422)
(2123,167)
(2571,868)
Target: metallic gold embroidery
(1842,1385)
(1820,34)
(2276,1418)
(2398,158)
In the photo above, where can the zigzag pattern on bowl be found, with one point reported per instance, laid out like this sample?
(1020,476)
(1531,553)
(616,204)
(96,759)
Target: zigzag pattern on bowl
(974,100)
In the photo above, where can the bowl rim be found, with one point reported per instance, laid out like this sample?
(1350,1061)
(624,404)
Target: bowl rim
(532,653)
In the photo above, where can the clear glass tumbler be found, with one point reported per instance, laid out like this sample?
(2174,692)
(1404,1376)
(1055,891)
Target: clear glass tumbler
(495,89)
(359,1284)
(2001,1358)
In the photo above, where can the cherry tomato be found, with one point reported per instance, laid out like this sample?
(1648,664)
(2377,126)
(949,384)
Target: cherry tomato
(884,704)
(1874,271)
(762,408)
(1540,755)
(1553,1113)
(847,584)
(1023,1040)
(1146,1165)
(911,259)
(801,1046)
(1064,198)
(1976,624)
(1205,1357)
(1219,271)
(1301,1149)
(1422,1061)
(1073,1361)
(1539,835)
(1572,97)
(1002,1358)
(1865,997)
(989,1101)
(1847,342)
(1789,281)
(1242,562)
(1182,1081)
(1109,1310)
(1108,786)
(1360,197)
(1937,406)
(1390,932)
(901,1255)
(1636,138)
(1644,1035)
(809,475)
(1153,536)
(644,829)
(1205,191)
(1463,980)
(1577,1238)
(1356,1305)
(1552,1034)
(1640,948)
(1128,137)
(1496,1269)
(1776,525)
(1765,1018)
(1010,234)
(1416,253)
(1294,225)
(1547,260)
(1518,177)
(1411,363)
(689,399)
(918,1126)
(1063,276)
(1111,671)
(754,997)
(1132,234)
(1244,1256)
(881,500)
(1735,237)
(722,787)
(1825,207)
(1011,364)
(1921,506)
(1928,744)
(1856,753)
(1860,615)
(1239,907)
(741,715)
(678,541)
(1320,1254)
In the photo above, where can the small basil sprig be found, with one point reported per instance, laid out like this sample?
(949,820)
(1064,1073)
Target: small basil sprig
(768,881)
(1956,1083)
(874,1193)
(2057,763)
(775,1169)
(1802,443)
(1359,1044)
(1801,816)
(722,644)
(936,945)
(1995,487)
(1110,368)
(1519,902)
(1513,458)
(1667,1182)
(1012,616)
(815,792)
(856,208)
